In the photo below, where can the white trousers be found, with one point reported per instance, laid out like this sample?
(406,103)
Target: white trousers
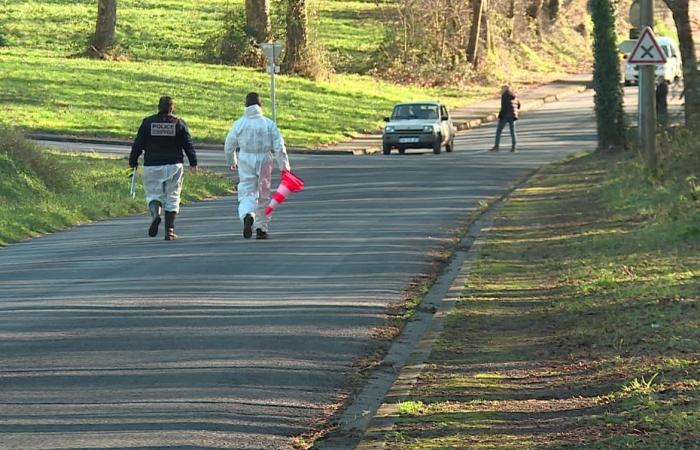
(255,178)
(164,183)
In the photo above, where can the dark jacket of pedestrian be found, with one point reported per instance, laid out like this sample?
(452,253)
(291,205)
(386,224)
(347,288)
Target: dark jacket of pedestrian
(509,106)
(163,137)
(662,97)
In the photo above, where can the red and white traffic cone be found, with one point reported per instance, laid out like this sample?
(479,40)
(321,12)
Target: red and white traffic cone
(290,183)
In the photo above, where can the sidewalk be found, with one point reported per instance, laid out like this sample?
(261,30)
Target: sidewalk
(466,117)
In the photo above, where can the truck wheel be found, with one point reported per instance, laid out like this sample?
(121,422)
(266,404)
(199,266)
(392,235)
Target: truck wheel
(402,150)
(386,149)
(437,146)
(450,146)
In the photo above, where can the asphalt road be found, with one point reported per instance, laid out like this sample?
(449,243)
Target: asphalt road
(109,339)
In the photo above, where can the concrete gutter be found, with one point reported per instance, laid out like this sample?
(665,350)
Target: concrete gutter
(198,145)
(372,413)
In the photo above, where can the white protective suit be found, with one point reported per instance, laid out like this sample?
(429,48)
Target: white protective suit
(164,184)
(260,144)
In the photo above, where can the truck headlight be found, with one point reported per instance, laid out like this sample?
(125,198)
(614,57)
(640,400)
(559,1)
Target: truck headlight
(428,129)
(389,129)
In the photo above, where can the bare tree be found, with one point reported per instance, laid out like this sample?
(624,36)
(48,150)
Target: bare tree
(297,36)
(103,39)
(479,33)
(519,10)
(257,18)
(475,31)
(691,76)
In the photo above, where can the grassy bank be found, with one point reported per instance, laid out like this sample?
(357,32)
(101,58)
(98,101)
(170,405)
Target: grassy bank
(40,91)
(579,326)
(42,192)
(149,30)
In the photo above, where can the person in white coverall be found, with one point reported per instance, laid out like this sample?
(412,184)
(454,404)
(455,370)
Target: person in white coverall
(260,144)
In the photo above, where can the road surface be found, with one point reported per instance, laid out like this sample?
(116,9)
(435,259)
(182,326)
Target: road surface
(110,339)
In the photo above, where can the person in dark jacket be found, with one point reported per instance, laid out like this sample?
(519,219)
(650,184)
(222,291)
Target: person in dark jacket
(507,115)
(163,137)
(662,102)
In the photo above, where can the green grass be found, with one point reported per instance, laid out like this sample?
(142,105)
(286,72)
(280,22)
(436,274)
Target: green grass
(41,191)
(350,31)
(152,30)
(40,91)
(579,325)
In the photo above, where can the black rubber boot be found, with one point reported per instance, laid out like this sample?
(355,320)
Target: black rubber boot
(170,226)
(248,226)
(155,208)
(260,234)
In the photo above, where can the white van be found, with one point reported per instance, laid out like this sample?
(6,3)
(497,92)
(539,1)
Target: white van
(673,67)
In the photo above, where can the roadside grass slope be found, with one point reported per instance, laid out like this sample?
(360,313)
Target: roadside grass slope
(151,30)
(579,326)
(41,191)
(46,87)
(42,92)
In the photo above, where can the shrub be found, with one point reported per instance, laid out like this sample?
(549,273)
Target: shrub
(28,157)
(606,77)
(231,44)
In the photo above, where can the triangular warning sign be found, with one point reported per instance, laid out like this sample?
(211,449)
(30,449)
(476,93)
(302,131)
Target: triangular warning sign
(647,50)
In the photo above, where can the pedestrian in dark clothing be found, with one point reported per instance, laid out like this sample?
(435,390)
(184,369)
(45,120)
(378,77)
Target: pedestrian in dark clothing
(507,115)
(163,137)
(662,102)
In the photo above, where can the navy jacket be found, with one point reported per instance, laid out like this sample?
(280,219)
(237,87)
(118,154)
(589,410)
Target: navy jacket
(509,106)
(163,137)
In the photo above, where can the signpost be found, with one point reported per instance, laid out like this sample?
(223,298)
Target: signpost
(647,50)
(646,54)
(272,51)
(635,19)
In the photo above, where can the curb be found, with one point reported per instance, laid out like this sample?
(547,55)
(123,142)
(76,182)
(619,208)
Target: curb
(462,125)
(531,105)
(468,251)
(198,146)
(373,413)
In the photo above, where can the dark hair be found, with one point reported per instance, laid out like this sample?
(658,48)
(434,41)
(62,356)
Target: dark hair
(165,105)
(253,99)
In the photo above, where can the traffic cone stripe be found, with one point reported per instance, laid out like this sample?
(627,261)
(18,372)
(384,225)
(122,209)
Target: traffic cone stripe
(289,184)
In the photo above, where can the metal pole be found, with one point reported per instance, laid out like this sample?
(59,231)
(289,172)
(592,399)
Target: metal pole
(647,96)
(273,96)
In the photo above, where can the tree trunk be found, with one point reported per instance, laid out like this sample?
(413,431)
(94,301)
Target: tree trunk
(553,10)
(535,12)
(257,19)
(519,32)
(103,39)
(691,76)
(475,32)
(297,36)
(486,26)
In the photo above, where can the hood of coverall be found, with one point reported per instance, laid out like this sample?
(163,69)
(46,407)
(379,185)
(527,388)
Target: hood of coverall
(253,112)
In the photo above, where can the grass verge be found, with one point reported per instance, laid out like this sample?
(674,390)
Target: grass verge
(41,191)
(149,30)
(579,326)
(40,91)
